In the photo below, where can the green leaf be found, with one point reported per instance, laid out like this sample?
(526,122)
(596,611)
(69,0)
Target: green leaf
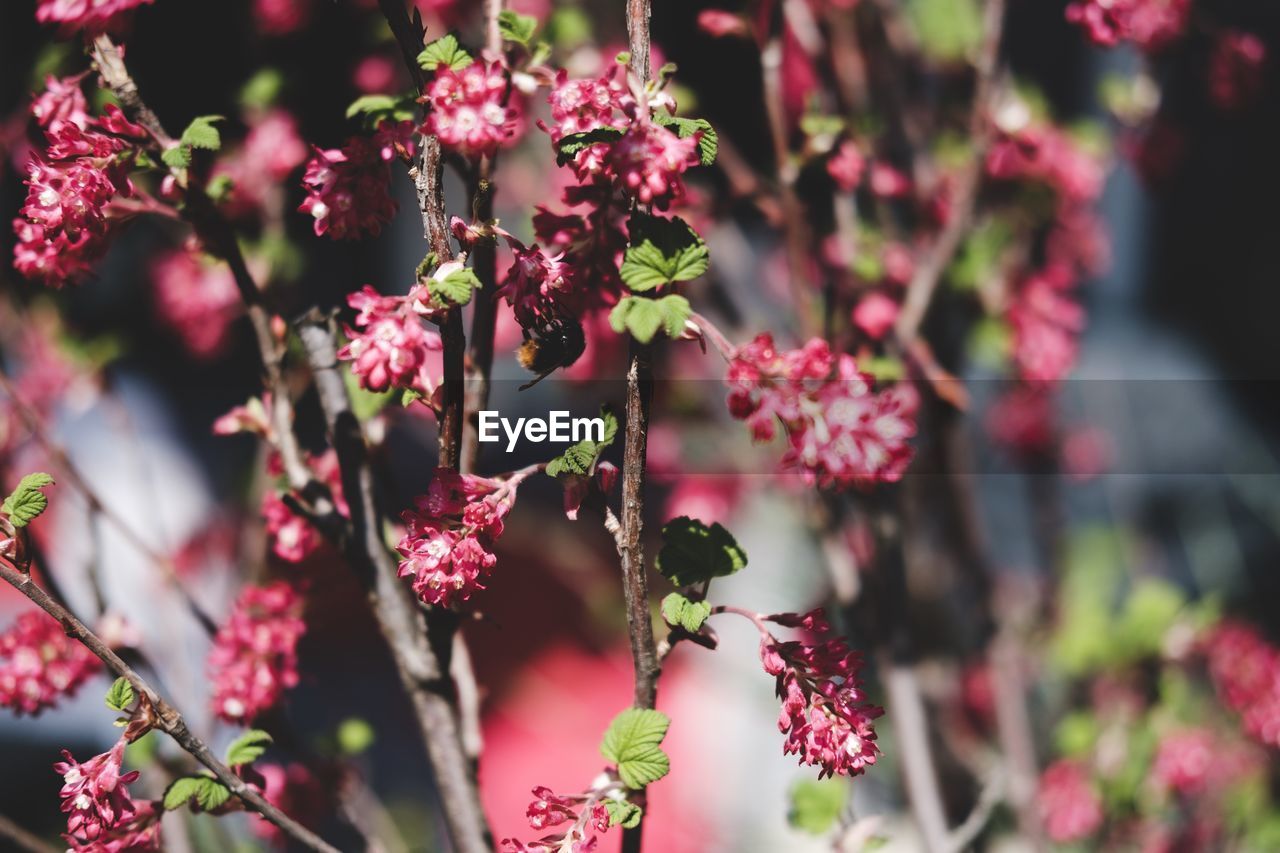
(182,790)
(211,794)
(370,104)
(569,145)
(680,612)
(263,89)
(815,805)
(643,317)
(675,313)
(444,51)
(708,142)
(365,403)
(120,695)
(201,133)
(375,109)
(516,27)
(177,157)
(632,743)
(27,501)
(624,814)
(662,251)
(247,748)
(355,736)
(582,457)
(455,288)
(948,29)
(692,552)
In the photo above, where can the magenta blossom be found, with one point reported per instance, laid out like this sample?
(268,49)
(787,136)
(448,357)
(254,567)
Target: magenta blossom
(40,664)
(254,658)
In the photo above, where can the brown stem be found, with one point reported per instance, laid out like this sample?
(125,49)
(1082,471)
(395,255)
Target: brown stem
(484,320)
(167,717)
(22,839)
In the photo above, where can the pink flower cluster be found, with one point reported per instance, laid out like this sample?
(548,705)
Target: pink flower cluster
(470,111)
(254,657)
(585,811)
(292,537)
(389,345)
(1149,24)
(348,188)
(839,431)
(1236,69)
(40,664)
(1068,802)
(270,152)
(92,16)
(825,715)
(66,224)
(1046,325)
(1044,153)
(1245,670)
(101,816)
(198,298)
(448,539)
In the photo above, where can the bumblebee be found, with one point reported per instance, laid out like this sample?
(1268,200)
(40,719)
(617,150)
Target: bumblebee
(550,345)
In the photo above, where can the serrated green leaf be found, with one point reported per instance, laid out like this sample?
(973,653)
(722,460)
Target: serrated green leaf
(570,144)
(247,748)
(26,502)
(708,142)
(582,457)
(120,695)
(632,744)
(692,552)
(675,313)
(177,157)
(637,315)
(444,51)
(815,805)
(201,133)
(662,251)
(211,794)
(516,27)
(182,790)
(624,814)
(371,104)
(455,288)
(680,612)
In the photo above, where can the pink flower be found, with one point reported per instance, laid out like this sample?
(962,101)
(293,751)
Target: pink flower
(586,811)
(198,298)
(447,544)
(54,258)
(648,162)
(1046,154)
(839,431)
(1022,420)
(101,816)
(292,537)
(348,189)
(391,345)
(578,106)
(1184,759)
(40,664)
(888,182)
(271,151)
(254,657)
(536,282)
(1245,670)
(1149,24)
(90,15)
(1046,327)
(1069,804)
(469,109)
(280,17)
(1236,69)
(825,716)
(847,166)
(719,23)
(252,417)
(875,314)
(61,103)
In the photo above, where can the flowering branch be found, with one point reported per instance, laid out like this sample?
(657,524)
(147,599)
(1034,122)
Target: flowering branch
(165,716)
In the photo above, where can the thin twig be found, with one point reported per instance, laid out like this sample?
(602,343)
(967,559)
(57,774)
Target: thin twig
(23,839)
(166,717)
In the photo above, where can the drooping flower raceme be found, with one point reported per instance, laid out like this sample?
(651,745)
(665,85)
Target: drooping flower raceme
(448,539)
(839,431)
(254,657)
(101,816)
(1245,670)
(469,109)
(92,16)
(40,664)
(198,297)
(586,811)
(1149,24)
(348,188)
(389,345)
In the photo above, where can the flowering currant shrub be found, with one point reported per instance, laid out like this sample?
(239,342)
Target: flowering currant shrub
(799,284)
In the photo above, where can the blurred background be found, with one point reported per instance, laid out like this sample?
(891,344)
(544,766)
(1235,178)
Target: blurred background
(1175,477)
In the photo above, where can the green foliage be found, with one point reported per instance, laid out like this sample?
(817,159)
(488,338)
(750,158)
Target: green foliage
(120,695)
(816,804)
(571,144)
(262,90)
(1076,734)
(201,133)
(632,743)
(355,736)
(365,403)
(444,51)
(453,289)
(582,457)
(209,793)
(26,502)
(643,317)
(569,28)
(978,259)
(247,748)
(680,612)
(692,552)
(662,251)
(516,27)
(883,368)
(372,110)
(624,814)
(708,143)
(948,29)
(990,342)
